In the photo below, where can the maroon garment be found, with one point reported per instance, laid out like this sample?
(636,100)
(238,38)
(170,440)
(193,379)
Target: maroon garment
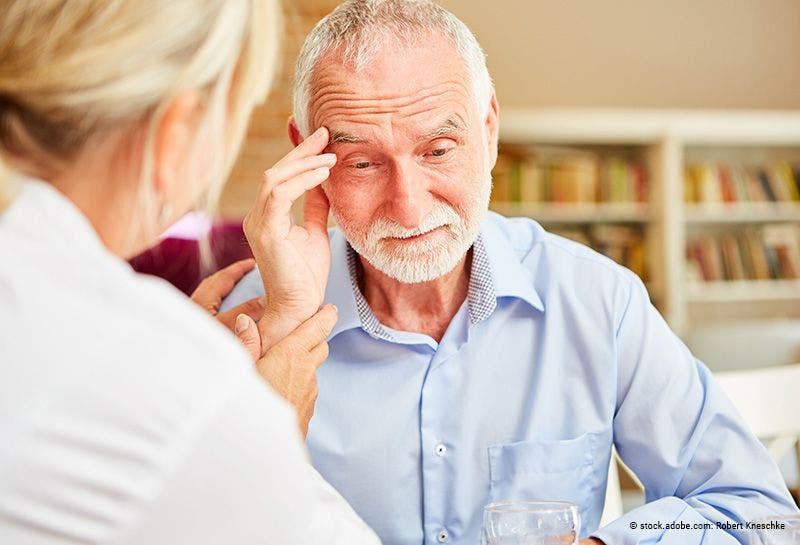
(177,260)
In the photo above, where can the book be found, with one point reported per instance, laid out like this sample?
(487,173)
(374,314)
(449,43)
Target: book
(700,256)
(550,174)
(530,180)
(726,184)
(747,259)
(732,259)
(782,242)
(732,183)
(710,187)
(754,188)
(784,173)
(739,180)
(757,256)
(711,249)
(771,252)
(690,185)
(623,244)
(763,179)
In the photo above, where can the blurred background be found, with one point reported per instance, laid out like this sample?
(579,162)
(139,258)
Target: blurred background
(664,134)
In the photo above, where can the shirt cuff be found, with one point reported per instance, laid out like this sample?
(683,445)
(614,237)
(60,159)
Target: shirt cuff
(667,521)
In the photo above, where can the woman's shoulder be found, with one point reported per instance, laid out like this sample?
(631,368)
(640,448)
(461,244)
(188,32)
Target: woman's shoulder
(117,379)
(74,313)
(102,320)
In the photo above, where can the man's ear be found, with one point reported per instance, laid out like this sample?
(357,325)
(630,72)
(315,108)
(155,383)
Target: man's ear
(174,138)
(294,132)
(492,127)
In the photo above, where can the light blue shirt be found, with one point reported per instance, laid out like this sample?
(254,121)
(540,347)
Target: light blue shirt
(556,354)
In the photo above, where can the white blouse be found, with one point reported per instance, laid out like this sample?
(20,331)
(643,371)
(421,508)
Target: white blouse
(128,416)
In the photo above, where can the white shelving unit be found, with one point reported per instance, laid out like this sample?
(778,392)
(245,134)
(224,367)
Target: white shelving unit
(742,213)
(666,139)
(577,213)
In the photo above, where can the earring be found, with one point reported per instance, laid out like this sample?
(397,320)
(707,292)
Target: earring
(165,213)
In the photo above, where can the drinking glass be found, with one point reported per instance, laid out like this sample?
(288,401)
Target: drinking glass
(522,522)
(789,535)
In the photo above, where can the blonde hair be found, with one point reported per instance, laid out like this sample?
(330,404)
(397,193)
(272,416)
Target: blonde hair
(70,69)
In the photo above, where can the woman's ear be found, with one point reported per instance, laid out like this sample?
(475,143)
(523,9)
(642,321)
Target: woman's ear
(175,135)
(294,133)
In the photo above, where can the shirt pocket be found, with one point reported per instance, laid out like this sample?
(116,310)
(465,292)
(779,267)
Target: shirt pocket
(545,470)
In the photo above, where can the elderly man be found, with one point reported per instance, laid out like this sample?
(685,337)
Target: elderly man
(478,358)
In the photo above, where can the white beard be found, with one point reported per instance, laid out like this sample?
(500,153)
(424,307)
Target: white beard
(424,260)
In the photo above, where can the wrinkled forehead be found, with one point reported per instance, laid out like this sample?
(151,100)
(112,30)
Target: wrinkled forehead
(427,75)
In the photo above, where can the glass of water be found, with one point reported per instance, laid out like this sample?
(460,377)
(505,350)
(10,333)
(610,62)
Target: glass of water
(782,530)
(522,522)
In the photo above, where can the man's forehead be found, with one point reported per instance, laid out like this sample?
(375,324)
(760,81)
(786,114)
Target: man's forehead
(411,89)
(444,107)
(390,72)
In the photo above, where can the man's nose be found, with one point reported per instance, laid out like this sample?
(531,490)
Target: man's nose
(408,195)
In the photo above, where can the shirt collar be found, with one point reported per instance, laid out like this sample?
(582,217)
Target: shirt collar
(511,278)
(481,293)
(368,320)
(341,291)
(496,271)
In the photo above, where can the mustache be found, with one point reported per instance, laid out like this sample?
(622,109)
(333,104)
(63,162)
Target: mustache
(441,215)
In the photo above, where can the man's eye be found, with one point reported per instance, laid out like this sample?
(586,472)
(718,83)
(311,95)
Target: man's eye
(438,152)
(362,164)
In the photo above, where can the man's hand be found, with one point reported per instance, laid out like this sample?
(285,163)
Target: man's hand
(290,366)
(213,289)
(294,261)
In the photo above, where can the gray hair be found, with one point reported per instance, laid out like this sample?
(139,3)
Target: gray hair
(360,29)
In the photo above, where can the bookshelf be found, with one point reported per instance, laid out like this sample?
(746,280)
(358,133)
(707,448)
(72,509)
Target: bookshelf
(672,210)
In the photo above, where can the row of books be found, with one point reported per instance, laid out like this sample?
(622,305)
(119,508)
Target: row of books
(623,244)
(771,252)
(727,183)
(568,176)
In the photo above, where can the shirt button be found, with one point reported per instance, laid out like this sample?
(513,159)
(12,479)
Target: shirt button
(440,450)
(443,536)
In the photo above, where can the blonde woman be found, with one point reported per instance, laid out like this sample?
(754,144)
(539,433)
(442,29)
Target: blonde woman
(127,414)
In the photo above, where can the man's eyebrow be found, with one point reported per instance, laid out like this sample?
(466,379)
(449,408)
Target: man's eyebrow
(452,125)
(341,137)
